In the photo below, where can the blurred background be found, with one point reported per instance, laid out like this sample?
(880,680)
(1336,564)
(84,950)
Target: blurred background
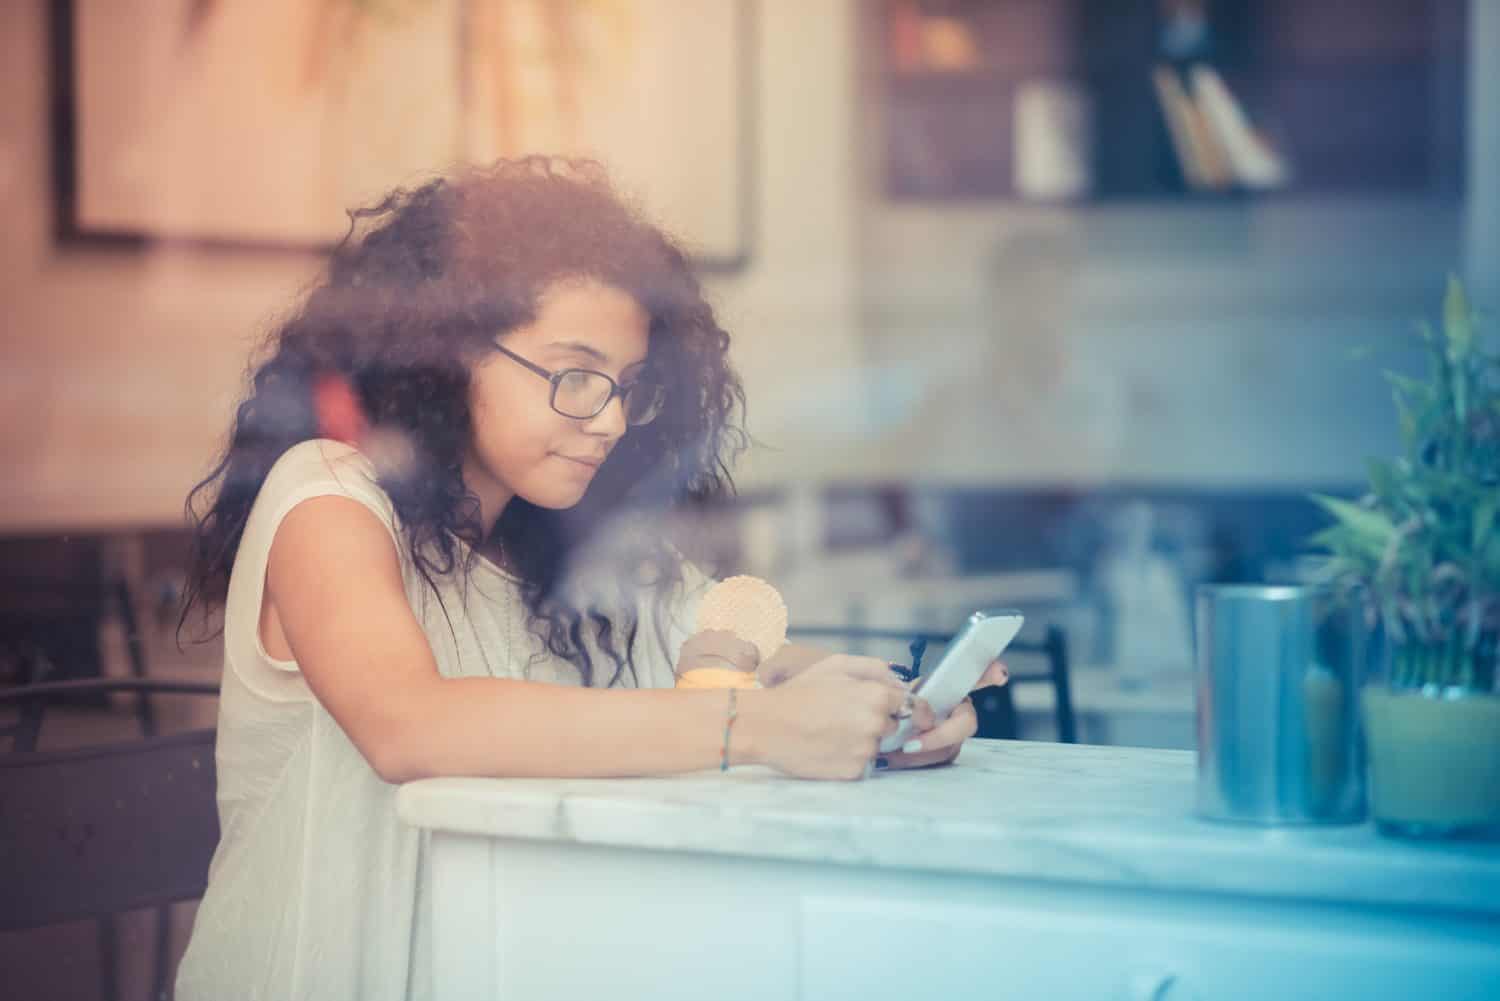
(1059,304)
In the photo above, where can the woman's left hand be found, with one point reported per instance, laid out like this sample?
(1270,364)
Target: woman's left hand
(939,743)
(718,648)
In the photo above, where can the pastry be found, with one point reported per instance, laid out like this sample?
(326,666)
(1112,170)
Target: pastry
(748,607)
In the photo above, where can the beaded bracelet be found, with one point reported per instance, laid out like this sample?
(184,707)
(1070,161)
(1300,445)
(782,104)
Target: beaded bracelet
(728,724)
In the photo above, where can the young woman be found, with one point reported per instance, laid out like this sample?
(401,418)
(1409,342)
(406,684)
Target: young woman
(435,536)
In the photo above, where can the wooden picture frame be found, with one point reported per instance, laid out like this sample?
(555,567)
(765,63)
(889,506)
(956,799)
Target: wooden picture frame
(259,123)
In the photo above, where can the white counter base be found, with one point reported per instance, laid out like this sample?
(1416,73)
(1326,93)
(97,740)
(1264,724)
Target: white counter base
(544,889)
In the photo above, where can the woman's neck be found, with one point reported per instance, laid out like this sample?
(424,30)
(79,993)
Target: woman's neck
(493,495)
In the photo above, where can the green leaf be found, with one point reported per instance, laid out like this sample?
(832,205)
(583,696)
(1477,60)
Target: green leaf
(1411,396)
(1414,390)
(1439,381)
(1456,322)
(1333,538)
(1461,396)
(1483,523)
(1383,482)
(1487,573)
(1349,545)
(1408,423)
(1366,532)
(1361,518)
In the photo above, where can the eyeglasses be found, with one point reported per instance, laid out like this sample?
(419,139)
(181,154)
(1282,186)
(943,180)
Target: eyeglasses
(582,393)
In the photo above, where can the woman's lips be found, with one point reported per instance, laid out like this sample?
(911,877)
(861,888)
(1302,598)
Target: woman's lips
(590,463)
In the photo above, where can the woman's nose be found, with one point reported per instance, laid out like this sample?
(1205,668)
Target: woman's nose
(609,422)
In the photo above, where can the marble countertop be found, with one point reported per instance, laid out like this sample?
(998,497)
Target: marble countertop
(1108,816)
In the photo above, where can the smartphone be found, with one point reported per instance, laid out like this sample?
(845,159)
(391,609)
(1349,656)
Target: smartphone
(984,636)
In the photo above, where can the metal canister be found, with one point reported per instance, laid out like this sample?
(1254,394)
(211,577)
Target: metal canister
(1278,670)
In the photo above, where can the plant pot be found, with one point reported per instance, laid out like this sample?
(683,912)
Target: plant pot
(1434,758)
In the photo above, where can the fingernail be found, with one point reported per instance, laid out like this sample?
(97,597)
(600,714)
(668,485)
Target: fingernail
(911,747)
(881,763)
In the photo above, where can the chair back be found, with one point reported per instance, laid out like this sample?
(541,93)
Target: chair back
(53,597)
(98,830)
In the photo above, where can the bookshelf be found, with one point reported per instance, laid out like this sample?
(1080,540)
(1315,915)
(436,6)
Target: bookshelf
(1356,97)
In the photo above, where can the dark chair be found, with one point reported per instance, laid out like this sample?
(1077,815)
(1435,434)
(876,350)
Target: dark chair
(95,831)
(995,707)
(55,593)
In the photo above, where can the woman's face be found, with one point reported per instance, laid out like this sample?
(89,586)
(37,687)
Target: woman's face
(520,446)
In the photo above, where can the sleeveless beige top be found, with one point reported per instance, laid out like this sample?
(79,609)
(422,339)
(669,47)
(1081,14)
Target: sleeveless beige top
(313,891)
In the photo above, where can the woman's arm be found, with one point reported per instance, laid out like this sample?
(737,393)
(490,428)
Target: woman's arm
(335,585)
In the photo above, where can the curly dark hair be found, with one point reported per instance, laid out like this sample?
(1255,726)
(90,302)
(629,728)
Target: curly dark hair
(404,311)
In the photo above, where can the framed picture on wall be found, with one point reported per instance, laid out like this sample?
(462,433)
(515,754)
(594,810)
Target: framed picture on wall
(260,122)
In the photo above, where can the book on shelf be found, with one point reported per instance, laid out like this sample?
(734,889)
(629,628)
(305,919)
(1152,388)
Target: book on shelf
(921,42)
(904,36)
(1216,146)
(1205,165)
(1254,163)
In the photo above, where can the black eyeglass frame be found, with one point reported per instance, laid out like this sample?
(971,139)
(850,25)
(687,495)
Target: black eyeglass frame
(615,389)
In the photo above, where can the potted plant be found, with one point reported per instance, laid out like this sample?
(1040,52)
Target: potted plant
(1421,552)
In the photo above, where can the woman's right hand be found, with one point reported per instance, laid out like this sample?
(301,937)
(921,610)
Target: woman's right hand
(827,721)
